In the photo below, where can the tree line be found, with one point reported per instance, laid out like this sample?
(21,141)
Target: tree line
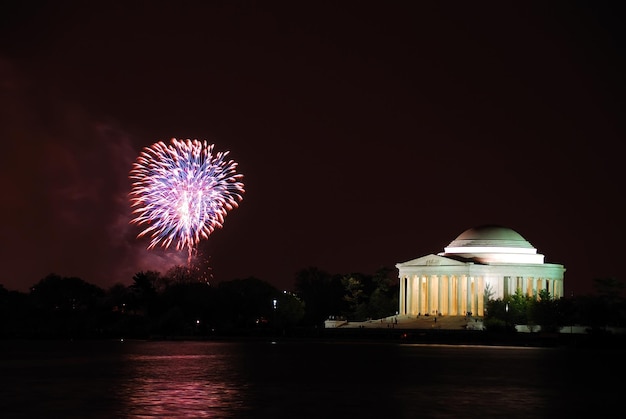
(181,303)
(598,312)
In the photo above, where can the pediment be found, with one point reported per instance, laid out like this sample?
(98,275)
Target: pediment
(431,260)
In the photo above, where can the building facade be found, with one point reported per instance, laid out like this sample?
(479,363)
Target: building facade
(486,262)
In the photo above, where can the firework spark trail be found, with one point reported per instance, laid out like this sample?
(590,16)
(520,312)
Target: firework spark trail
(182,192)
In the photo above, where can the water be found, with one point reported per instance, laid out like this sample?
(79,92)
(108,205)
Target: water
(303,379)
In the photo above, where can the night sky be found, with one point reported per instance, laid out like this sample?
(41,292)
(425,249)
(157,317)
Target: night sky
(368,133)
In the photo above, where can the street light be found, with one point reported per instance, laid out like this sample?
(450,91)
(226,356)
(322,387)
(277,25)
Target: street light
(506,317)
(274,304)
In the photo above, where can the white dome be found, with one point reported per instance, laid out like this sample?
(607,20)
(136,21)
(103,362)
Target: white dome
(493,244)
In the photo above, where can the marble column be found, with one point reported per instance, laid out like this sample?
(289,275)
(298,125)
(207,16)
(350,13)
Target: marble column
(450,310)
(403,281)
(439,293)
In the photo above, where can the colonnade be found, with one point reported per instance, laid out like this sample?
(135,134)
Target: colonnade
(455,295)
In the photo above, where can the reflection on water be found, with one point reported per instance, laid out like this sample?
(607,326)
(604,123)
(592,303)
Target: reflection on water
(302,379)
(182,380)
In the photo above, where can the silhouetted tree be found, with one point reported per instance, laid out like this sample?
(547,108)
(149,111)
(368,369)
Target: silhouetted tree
(383,301)
(546,312)
(504,313)
(290,310)
(246,303)
(144,290)
(355,296)
(14,313)
(117,298)
(519,307)
(321,293)
(180,274)
(66,306)
(124,314)
(56,293)
(610,304)
(186,308)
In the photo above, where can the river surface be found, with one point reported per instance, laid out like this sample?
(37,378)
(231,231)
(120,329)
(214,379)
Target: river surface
(305,379)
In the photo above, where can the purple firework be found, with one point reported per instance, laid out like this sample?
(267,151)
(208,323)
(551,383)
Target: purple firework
(183,191)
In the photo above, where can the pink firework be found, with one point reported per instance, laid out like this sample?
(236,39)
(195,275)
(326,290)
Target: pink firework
(182,192)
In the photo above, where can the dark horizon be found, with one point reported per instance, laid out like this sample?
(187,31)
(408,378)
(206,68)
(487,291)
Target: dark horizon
(367,135)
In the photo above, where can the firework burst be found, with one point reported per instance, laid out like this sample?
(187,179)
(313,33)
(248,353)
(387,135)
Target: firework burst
(181,192)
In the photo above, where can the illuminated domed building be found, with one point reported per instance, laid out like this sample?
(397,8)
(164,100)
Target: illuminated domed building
(483,262)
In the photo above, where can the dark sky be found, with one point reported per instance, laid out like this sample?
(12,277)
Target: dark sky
(368,133)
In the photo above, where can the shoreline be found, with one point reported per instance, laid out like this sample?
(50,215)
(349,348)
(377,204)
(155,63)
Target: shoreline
(432,336)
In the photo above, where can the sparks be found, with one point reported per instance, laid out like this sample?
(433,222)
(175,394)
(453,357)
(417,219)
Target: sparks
(182,192)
